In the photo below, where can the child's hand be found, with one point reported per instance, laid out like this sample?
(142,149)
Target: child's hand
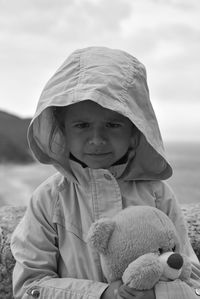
(126,292)
(112,291)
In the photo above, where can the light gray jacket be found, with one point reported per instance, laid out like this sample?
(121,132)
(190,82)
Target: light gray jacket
(53,259)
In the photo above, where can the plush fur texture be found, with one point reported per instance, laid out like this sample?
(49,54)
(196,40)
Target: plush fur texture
(131,245)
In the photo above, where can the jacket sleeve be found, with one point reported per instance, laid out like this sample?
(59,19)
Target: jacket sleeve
(174,289)
(34,246)
(167,202)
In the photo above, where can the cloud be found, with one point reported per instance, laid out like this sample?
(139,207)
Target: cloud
(65,19)
(176,62)
(43,29)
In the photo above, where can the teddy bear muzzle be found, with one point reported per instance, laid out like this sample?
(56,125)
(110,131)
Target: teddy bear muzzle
(172,265)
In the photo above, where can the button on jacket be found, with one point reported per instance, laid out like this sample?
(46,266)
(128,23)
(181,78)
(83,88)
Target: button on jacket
(53,259)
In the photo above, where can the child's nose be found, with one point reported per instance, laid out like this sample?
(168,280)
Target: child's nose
(97,137)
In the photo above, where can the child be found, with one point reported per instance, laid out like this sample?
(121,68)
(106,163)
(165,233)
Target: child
(95,124)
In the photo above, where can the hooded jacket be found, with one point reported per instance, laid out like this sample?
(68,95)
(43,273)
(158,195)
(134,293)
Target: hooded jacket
(53,259)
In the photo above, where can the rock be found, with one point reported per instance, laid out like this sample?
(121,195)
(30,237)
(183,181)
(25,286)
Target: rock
(192,216)
(10,217)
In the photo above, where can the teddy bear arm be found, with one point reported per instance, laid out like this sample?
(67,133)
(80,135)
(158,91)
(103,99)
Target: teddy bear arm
(186,269)
(143,273)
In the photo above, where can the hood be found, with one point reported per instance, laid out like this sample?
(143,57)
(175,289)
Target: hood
(111,78)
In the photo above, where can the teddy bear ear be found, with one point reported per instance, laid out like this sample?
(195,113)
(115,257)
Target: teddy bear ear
(100,233)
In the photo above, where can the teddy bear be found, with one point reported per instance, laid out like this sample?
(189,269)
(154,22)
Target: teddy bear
(141,247)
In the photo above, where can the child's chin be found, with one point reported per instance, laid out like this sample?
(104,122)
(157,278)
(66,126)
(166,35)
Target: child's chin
(98,162)
(98,165)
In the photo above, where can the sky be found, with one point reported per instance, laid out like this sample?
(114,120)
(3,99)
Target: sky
(36,36)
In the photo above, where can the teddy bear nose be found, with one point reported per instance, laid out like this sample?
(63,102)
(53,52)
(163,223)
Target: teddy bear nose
(175,261)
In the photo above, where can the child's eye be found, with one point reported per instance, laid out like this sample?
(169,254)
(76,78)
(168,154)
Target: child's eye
(81,125)
(113,125)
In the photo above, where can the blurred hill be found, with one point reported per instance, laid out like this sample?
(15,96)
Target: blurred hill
(13,142)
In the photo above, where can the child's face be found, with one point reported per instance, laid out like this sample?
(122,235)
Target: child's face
(97,136)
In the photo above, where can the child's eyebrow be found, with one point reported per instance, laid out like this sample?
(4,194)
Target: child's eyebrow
(79,120)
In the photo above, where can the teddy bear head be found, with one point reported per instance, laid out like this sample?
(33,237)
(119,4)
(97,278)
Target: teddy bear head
(132,233)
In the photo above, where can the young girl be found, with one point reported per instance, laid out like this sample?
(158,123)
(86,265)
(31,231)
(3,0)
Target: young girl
(95,124)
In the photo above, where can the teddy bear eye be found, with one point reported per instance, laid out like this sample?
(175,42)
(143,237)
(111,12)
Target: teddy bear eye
(160,250)
(174,248)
